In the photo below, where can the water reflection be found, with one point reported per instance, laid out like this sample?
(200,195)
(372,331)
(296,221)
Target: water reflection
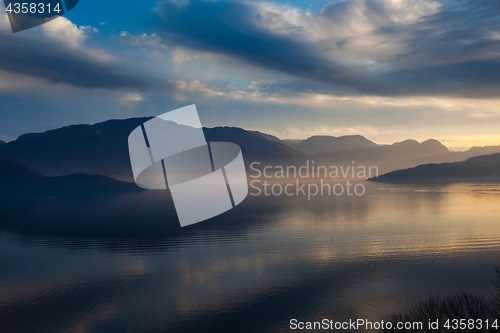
(120,263)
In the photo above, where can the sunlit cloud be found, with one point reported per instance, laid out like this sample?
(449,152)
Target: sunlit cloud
(194,87)
(132,97)
(65,31)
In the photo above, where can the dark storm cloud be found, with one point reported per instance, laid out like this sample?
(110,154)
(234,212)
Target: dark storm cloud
(57,63)
(451,52)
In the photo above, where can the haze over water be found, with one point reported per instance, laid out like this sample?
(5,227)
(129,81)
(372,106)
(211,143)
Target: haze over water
(121,263)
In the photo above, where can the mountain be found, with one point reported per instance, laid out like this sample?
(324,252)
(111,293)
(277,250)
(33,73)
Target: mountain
(409,153)
(477,151)
(2,143)
(480,168)
(92,149)
(343,150)
(12,170)
(411,149)
(102,148)
(326,146)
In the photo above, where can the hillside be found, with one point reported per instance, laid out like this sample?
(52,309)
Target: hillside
(267,136)
(64,185)
(12,170)
(255,147)
(17,179)
(480,168)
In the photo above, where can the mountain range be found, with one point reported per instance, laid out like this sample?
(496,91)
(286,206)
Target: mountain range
(482,168)
(102,149)
(400,155)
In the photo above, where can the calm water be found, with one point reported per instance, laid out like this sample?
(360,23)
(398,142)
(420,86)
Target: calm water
(120,263)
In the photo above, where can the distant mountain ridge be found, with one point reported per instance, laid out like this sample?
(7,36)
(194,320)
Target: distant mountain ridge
(318,146)
(2,143)
(485,168)
(346,149)
(400,155)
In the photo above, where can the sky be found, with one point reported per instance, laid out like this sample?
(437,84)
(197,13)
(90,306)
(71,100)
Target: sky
(389,70)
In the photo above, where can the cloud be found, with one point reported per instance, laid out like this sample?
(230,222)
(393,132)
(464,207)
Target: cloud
(194,87)
(229,28)
(375,47)
(181,55)
(284,93)
(55,53)
(65,31)
(153,40)
(132,97)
